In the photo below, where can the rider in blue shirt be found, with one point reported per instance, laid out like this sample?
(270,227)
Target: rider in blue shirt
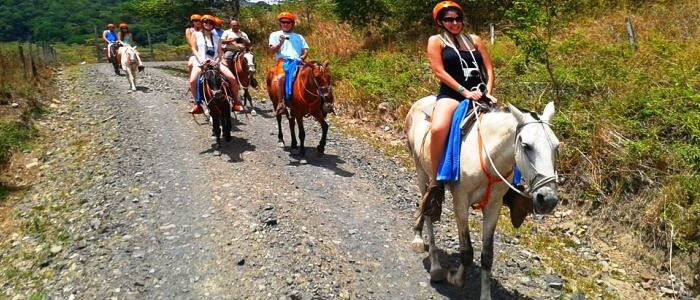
(110,37)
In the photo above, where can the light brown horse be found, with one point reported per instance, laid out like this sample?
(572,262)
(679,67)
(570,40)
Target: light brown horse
(243,69)
(311,96)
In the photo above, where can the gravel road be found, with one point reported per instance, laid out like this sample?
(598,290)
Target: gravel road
(161,216)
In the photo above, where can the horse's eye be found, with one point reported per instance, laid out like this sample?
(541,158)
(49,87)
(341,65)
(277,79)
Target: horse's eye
(526,146)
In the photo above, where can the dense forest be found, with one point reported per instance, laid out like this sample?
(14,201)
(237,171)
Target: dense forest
(74,21)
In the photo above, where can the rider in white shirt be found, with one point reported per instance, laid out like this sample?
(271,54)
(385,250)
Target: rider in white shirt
(206,48)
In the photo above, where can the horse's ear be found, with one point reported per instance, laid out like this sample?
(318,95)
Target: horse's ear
(325,64)
(548,112)
(516,113)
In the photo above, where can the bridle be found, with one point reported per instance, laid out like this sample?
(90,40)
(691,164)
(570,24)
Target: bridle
(322,91)
(532,184)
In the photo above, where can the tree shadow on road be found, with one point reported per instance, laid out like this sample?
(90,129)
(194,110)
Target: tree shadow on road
(472,290)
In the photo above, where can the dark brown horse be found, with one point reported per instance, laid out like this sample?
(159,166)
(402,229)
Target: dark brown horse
(243,68)
(113,48)
(311,96)
(217,97)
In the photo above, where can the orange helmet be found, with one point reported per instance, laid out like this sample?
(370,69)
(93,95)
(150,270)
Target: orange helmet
(208,18)
(218,22)
(286,15)
(123,25)
(110,26)
(442,5)
(195,17)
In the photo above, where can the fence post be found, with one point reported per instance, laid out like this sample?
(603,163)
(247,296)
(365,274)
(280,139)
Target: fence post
(98,53)
(21,58)
(630,32)
(31,59)
(153,56)
(492,32)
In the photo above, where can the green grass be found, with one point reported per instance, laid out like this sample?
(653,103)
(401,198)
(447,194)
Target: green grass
(14,136)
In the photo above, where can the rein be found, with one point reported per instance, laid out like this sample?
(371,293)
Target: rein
(208,95)
(530,186)
(319,96)
(235,69)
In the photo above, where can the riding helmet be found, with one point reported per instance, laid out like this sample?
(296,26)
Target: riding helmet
(195,17)
(286,15)
(442,5)
(218,22)
(123,25)
(208,18)
(110,26)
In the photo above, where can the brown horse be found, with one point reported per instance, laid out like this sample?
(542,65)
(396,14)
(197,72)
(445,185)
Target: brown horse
(311,96)
(243,68)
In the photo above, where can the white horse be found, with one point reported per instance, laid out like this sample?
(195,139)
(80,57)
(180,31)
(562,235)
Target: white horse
(130,62)
(497,142)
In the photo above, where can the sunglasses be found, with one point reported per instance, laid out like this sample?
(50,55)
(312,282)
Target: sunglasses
(286,22)
(453,20)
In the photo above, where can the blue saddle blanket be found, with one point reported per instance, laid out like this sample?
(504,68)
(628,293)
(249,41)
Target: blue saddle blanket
(448,169)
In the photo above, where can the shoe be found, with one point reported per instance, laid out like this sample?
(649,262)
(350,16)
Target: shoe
(196,109)
(141,68)
(237,105)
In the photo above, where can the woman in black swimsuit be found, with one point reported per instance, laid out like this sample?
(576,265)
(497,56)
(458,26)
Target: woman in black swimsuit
(465,72)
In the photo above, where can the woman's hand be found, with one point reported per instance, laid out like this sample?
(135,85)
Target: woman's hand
(475,95)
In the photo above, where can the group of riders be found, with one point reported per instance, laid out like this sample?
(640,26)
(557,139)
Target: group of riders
(212,47)
(215,48)
(117,40)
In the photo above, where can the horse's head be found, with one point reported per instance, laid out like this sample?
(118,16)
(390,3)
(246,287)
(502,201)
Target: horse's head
(131,54)
(248,60)
(213,82)
(322,78)
(536,156)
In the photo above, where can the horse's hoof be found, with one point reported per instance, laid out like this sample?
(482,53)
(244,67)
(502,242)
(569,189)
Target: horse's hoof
(438,275)
(303,161)
(455,280)
(280,144)
(418,246)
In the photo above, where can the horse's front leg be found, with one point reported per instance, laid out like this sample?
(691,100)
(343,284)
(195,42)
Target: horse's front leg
(280,137)
(466,251)
(132,80)
(216,130)
(490,213)
(302,137)
(324,133)
(226,124)
(294,148)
